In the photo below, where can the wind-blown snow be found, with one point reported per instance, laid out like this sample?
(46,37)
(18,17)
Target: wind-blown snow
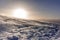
(19,29)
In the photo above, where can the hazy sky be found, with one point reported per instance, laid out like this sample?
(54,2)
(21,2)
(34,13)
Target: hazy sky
(48,9)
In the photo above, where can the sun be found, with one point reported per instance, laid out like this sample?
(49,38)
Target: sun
(20,13)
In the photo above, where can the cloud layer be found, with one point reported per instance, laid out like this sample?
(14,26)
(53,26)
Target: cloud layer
(19,29)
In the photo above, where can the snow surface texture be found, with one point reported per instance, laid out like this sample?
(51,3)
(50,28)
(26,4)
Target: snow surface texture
(19,29)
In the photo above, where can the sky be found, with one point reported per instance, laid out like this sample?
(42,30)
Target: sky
(37,9)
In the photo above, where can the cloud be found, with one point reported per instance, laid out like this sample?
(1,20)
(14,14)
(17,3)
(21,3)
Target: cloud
(19,29)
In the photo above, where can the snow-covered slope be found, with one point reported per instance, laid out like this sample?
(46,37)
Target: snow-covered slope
(19,29)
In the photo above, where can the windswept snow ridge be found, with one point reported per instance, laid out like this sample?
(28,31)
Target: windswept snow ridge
(19,29)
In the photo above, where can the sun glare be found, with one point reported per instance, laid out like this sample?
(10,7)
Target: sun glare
(20,13)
